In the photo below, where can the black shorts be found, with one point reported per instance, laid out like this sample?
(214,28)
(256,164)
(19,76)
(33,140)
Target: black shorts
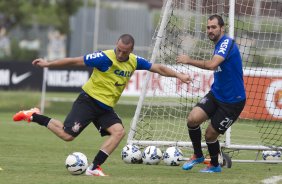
(86,110)
(222,115)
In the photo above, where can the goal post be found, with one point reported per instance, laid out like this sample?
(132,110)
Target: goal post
(256,26)
(159,37)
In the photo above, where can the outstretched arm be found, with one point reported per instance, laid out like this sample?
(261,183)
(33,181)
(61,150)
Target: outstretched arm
(204,64)
(76,61)
(165,71)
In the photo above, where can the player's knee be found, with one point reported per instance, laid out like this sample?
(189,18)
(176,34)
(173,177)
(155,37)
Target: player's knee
(210,136)
(122,133)
(68,138)
(119,134)
(191,121)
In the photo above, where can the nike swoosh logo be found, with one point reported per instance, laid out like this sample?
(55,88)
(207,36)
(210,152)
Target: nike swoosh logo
(17,79)
(117,84)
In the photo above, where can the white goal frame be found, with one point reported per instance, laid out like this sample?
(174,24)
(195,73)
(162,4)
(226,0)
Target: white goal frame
(228,141)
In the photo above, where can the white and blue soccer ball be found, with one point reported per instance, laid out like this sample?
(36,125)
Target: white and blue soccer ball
(271,155)
(152,155)
(76,163)
(131,154)
(172,156)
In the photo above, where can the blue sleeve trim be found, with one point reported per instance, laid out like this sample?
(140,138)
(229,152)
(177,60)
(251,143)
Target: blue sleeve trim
(224,47)
(98,60)
(143,64)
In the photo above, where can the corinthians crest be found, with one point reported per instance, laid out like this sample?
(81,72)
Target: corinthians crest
(204,100)
(76,127)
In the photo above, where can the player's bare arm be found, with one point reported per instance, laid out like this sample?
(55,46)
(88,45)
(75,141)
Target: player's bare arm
(75,61)
(165,71)
(204,64)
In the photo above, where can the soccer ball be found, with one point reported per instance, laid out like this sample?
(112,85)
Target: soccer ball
(271,155)
(131,154)
(172,156)
(76,163)
(151,155)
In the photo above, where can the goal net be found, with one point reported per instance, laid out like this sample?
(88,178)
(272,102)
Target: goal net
(256,26)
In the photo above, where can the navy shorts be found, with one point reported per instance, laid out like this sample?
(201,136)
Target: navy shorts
(86,110)
(222,115)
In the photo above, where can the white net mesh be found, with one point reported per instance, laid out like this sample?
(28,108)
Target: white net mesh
(257,31)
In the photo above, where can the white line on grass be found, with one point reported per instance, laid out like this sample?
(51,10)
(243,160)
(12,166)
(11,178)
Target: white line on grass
(272,180)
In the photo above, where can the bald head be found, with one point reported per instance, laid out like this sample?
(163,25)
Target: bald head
(124,47)
(127,39)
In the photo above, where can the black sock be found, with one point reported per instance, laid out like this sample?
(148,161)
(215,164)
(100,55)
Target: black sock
(195,134)
(100,158)
(40,119)
(214,150)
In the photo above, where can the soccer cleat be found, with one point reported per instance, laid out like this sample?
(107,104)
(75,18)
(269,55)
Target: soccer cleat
(193,161)
(96,172)
(211,169)
(25,115)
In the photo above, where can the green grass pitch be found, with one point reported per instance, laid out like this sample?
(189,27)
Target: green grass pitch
(30,154)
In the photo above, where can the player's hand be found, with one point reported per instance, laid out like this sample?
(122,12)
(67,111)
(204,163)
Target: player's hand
(184,78)
(40,62)
(184,59)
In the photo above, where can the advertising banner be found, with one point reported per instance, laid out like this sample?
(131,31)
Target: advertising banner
(264,94)
(22,75)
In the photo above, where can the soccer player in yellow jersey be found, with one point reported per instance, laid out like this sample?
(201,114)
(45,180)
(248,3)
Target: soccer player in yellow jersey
(112,70)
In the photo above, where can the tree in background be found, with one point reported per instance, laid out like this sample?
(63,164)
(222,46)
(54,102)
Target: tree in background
(54,13)
(28,13)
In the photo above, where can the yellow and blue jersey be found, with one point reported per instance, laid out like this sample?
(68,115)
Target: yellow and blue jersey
(110,76)
(228,83)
